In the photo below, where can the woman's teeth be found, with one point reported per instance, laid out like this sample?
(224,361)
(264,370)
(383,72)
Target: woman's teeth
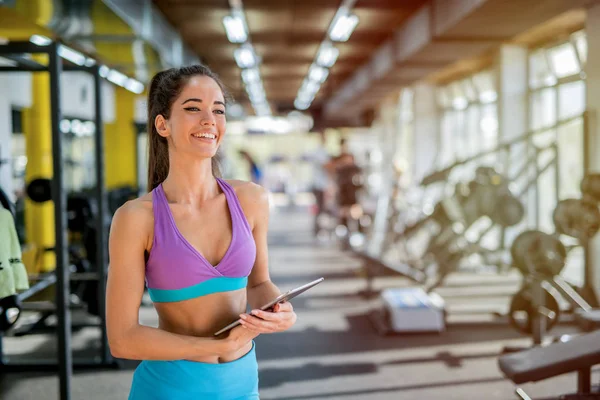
(205,135)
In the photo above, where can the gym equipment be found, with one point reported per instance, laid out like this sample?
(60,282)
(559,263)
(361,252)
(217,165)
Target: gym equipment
(414,310)
(79,212)
(10,311)
(590,186)
(539,253)
(60,277)
(579,354)
(578,218)
(39,190)
(522,310)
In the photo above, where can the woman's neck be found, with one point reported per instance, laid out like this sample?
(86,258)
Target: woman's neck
(190,181)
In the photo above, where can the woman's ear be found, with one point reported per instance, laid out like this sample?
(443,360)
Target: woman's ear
(161,126)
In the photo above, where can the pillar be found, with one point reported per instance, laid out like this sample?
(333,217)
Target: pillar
(37,127)
(121,142)
(513,122)
(592,133)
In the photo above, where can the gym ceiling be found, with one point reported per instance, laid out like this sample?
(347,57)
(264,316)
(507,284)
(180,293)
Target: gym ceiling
(394,44)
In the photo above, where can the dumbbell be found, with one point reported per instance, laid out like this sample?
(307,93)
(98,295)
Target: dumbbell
(522,311)
(590,186)
(536,250)
(10,311)
(578,218)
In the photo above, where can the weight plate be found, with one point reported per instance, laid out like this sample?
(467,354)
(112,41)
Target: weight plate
(577,218)
(543,253)
(521,314)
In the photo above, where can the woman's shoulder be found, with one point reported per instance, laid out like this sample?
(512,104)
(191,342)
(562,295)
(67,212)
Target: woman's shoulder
(253,197)
(247,189)
(136,211)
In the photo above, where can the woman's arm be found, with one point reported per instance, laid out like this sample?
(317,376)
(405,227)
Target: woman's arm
(260,288)
(130,230)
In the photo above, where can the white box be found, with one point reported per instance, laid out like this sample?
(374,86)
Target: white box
(414,310)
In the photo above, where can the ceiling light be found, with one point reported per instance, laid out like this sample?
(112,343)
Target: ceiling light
(103,71)
(90,62)
(310,86)
(69,54)
(250,75)
(343,27)
(235,28)
(327,55)
(245,57)
(301,105)
(117,78)
(40,40)
(318,74)
(134,86)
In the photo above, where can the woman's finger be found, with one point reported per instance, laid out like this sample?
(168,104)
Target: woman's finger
(259,325)
(267,316)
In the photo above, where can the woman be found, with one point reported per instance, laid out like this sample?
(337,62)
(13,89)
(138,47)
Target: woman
(199,243)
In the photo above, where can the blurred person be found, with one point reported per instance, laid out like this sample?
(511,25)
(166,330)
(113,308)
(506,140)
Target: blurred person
(345,170)
(199,243)
(256,174)
(321,182)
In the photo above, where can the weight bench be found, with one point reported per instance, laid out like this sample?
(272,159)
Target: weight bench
(578,354)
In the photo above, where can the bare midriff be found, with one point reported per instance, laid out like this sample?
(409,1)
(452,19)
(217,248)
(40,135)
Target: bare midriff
(202,317)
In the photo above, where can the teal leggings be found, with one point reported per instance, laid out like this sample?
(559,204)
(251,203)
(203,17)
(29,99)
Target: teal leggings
(187,380)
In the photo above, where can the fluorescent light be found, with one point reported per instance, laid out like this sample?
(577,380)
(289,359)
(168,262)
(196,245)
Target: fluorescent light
(117,78)
(236,31)
(245,57)
(89,62)
(318,74)
(343,27)
(262,109)
(134,86)
(327,55)
(250,75)
(40,40)
(69,54)
(310,86)
(301,105)
(104,70)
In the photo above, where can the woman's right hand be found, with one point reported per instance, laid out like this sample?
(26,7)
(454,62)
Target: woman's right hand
(239,337)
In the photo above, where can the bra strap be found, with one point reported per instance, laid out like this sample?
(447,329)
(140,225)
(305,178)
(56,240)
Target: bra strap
(234,203)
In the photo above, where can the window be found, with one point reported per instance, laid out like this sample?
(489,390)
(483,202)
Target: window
(469,121)
(556,104)
(404,142)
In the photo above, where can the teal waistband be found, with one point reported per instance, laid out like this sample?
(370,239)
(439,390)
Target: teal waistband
(214,285)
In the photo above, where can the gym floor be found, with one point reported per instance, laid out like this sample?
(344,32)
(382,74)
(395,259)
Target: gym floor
(334,352)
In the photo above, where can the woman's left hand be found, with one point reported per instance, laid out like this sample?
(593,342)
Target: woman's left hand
(281,319)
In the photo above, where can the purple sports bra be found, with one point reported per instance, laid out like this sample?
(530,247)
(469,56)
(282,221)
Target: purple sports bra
(176,271)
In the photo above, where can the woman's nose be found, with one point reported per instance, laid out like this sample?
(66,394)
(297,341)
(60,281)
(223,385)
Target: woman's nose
(207,119)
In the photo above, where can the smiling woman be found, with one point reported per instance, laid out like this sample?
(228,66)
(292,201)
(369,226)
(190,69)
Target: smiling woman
(198,242)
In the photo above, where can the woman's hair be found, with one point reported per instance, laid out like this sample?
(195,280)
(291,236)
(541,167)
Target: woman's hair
(165,87)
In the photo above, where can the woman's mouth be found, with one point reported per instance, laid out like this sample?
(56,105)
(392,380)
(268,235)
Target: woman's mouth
(205,137)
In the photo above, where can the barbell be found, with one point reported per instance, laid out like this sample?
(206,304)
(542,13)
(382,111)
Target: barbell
(538,252)
(578,218)
(522,310)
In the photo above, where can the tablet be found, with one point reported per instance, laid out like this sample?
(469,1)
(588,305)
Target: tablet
(279,299)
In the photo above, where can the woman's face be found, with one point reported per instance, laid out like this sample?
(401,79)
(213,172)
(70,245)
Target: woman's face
(197,121)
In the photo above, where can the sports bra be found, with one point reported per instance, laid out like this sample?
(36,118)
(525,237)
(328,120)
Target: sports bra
(176,271)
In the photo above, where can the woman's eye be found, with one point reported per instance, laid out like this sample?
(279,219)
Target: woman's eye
(192,109)
(221,112)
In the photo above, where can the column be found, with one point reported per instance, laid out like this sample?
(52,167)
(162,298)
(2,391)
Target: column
(37,127)
(592,134)
(513,122)
(121,142)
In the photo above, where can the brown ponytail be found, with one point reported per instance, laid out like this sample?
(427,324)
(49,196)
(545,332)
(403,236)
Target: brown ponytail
(164,89)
